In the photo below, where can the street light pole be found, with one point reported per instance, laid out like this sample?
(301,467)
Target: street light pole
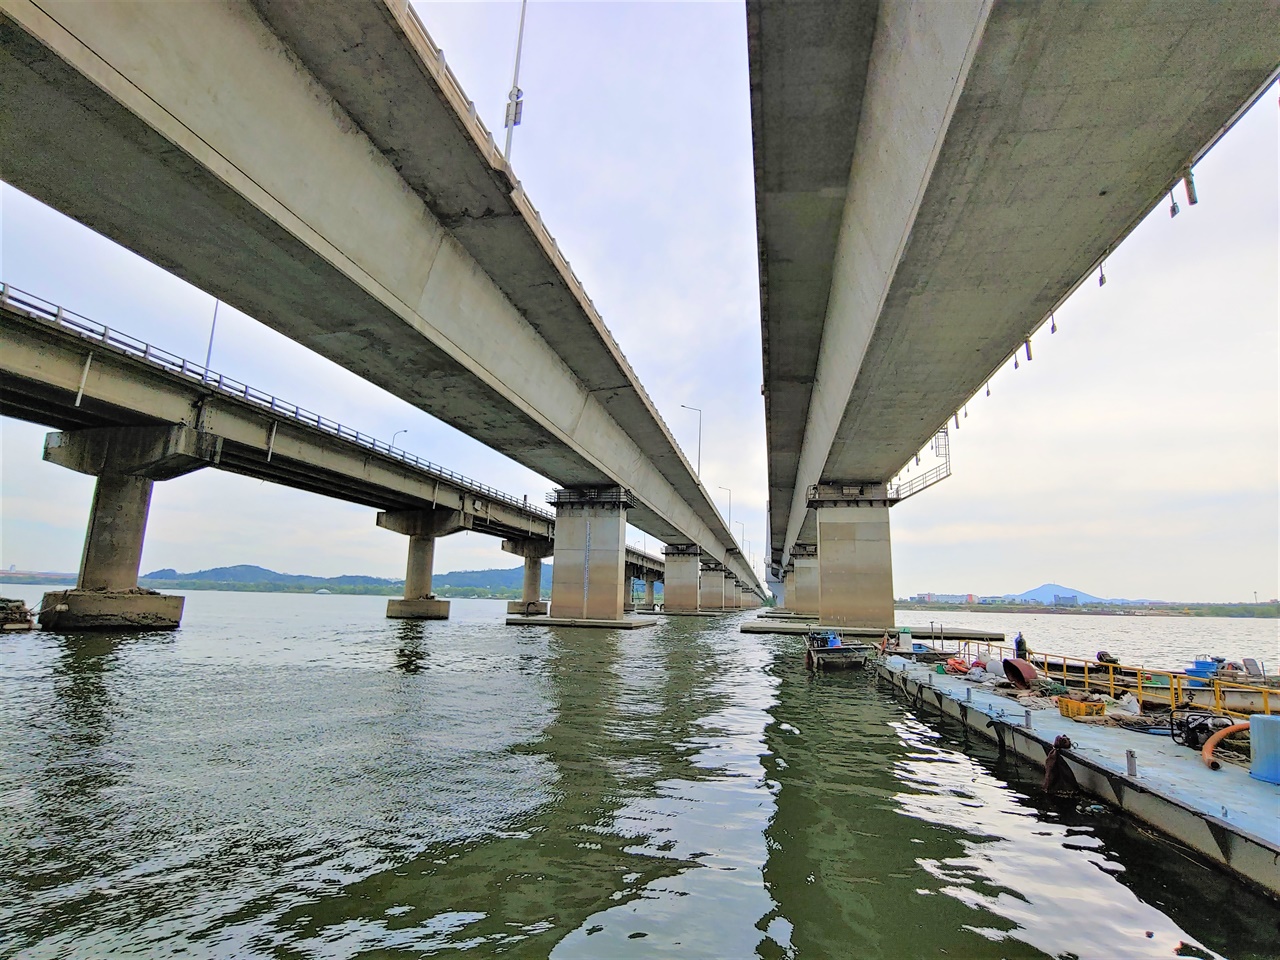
(699,413)
(515,102)
(396,434)
(208,354)
(729,519)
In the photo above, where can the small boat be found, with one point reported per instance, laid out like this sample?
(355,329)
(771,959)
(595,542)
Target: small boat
(825,649)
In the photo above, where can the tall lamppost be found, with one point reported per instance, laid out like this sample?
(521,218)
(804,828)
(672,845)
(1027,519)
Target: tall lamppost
(396,434)
(729,519)
(698,411)
(515,99)
(213,328)
(742,539)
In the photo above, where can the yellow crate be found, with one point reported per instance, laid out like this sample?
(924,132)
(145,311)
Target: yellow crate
(1080,708)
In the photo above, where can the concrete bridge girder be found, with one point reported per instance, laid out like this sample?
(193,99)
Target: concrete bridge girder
(187,170)
(1033,123)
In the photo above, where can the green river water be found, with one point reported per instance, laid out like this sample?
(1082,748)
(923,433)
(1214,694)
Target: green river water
(295,776)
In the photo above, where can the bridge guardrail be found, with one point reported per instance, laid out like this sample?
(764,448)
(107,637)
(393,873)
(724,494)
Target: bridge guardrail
(50,313)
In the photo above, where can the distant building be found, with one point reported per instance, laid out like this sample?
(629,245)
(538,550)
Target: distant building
(1071,601)
(944,598)
(992,600)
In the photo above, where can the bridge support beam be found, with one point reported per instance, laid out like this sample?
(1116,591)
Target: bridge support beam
(649,599)
(803,584)
(127,461)
(683,563)
(588,578)
(422,527)
(530,603)
(855,560)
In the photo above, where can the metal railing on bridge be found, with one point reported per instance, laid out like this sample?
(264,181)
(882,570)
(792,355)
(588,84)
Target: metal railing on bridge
(37,308)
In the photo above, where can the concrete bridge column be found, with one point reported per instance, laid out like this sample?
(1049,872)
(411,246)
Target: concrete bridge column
(854,557)
(711,588)
(127,461)
(589,579)
(422,527)
(530,603)
(680,581)
(648,592)
(629,595)
(804,583)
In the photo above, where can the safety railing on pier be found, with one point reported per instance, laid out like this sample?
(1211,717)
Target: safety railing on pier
(40,309)
(1114,679)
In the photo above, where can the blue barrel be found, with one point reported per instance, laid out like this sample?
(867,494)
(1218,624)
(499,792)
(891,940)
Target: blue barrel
(1264,744)
(1206,669)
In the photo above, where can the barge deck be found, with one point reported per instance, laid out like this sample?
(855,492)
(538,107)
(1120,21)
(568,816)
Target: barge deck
(1226,815)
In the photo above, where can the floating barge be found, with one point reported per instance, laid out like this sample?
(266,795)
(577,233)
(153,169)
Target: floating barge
(799,625)
(1226,815)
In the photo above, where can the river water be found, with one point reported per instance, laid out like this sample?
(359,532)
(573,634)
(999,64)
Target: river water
(295,776)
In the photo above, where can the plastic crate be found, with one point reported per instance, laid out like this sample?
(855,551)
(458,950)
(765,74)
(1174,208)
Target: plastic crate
(1080,708)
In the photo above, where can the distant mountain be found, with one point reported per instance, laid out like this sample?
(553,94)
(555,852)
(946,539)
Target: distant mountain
(1047,591)
(248,573)
(512,579)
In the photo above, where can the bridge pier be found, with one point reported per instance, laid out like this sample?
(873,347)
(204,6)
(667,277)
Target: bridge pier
(629,596)
(803,584)
(589,576)
(127,461)
(649,600)
(422,527)
(711,587)
(855,561)
(680,578)
(530,603)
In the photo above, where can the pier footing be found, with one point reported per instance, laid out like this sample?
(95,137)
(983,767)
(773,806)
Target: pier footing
(532,608)
(579,622)
(425,608)
(68,611)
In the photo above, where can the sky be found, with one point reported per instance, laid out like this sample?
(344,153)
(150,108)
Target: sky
(1136,456)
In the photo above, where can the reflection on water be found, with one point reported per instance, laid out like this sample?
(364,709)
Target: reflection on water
(299,777)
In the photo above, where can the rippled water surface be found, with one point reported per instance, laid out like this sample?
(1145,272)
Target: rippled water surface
(295,776)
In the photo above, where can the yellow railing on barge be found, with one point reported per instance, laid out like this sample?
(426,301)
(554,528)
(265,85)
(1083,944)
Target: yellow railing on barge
(1161,686)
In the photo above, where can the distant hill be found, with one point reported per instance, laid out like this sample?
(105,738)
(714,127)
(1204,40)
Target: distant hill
(512,579)
(250,577)
(1047,591)
(248,573)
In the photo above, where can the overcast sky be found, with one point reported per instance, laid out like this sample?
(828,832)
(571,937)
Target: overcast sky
(1135,456)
